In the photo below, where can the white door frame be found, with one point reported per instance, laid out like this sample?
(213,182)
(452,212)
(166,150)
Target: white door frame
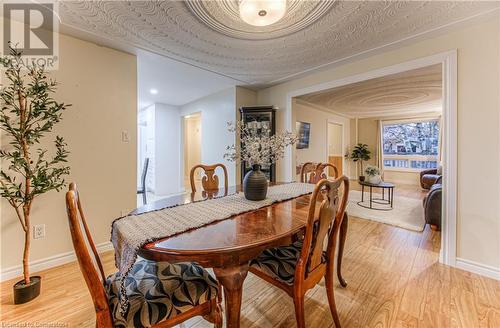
(449,69)
(332,121)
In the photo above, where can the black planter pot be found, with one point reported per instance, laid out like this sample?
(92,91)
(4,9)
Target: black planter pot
(255,184)
(361,178)
(24,293)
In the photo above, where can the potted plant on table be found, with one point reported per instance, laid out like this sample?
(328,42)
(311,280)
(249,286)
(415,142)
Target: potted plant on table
(28,113)
(360,154)
(373,174)
(257,149)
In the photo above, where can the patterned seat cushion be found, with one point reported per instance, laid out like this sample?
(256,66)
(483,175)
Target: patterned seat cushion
(159,291)
(280,262)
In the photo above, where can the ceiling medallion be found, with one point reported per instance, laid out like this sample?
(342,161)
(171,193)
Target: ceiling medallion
(262,12)
(229,18)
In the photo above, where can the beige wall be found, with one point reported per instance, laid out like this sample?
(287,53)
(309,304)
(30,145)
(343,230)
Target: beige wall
(100,83)
(367,134)
(478,235)
(244,98)
(318,143)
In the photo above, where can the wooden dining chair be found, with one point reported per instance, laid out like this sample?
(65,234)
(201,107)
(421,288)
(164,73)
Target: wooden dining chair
(300,266)
(312,173)
(210,181)
(305,170)
(160,294)
(144,174)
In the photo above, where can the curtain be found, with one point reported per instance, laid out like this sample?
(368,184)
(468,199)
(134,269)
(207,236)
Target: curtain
(378,151)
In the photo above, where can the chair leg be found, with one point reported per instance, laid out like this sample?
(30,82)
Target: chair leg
(218,316)
(215,315)
(298,302)
(144,198)
(340,255)
(329,282)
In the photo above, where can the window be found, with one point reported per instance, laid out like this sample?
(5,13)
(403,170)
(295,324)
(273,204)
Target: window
(411,145)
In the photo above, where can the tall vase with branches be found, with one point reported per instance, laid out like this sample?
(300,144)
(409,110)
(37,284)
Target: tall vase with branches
(28,113)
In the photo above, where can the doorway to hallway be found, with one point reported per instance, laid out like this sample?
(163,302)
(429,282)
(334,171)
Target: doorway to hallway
(192,147)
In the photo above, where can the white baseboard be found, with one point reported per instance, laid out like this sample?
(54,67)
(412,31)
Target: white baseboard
(48,262)
(480,269)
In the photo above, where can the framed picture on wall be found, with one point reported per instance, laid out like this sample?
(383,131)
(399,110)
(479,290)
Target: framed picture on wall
(303,131)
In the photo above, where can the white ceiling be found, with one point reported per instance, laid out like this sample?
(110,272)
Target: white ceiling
(412,92)
(210,35)
(177,83)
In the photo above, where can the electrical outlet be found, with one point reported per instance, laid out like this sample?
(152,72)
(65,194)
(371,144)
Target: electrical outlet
(39,231)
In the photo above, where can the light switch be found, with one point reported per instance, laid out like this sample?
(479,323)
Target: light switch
(125,136)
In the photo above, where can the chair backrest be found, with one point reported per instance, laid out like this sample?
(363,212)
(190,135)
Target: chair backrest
(322,225)
(210,181)
(318,172)
(88,259)
(144,174)
(306,169)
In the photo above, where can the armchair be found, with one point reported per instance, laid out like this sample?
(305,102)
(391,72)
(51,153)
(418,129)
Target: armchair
(432,205)
(429,178)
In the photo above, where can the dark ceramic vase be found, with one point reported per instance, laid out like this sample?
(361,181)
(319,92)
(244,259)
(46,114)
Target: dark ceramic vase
(255,184)
(24,293)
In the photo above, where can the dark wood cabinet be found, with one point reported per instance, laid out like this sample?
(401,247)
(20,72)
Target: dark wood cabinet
(260,119)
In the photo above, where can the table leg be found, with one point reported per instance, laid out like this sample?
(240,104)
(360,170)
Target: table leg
(362,193)
(342,238)
(232,279)
(392,197)
(383,193)
(371,196)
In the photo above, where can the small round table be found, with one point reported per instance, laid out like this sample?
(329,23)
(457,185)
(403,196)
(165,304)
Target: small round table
(382,185)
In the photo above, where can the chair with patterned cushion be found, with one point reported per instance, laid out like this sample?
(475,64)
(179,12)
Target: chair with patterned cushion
(160,294)
(300,266)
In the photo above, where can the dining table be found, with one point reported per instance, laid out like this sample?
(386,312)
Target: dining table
(227,246)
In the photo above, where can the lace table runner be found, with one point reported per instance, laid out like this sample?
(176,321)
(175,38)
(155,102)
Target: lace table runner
(130,233)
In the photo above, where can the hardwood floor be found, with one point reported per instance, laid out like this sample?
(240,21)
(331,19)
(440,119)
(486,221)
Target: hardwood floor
(393,275)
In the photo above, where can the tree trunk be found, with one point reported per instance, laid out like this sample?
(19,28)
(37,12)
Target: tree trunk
(26,253)
(27,187)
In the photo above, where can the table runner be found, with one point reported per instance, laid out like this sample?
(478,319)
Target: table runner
(130,233)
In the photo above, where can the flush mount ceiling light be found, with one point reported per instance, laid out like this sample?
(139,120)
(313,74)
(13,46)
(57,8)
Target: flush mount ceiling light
(153,91)
(262,12)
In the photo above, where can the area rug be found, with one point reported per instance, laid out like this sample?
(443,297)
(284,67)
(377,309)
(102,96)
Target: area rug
(408,213)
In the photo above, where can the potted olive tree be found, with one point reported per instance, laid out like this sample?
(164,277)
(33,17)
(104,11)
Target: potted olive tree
(29,168)
(360,154)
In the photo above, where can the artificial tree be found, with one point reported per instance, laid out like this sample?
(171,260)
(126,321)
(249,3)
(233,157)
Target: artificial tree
(360,153)
(28,113)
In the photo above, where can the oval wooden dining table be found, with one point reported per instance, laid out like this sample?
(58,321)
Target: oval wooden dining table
(229,245)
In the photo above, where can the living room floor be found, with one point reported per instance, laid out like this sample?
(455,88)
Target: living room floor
(393,275)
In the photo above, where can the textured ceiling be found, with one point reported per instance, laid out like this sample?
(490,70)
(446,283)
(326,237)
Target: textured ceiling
(411,92)
(210,35)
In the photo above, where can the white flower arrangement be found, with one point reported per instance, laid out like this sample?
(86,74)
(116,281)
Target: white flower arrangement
(372,171)
(258,148)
